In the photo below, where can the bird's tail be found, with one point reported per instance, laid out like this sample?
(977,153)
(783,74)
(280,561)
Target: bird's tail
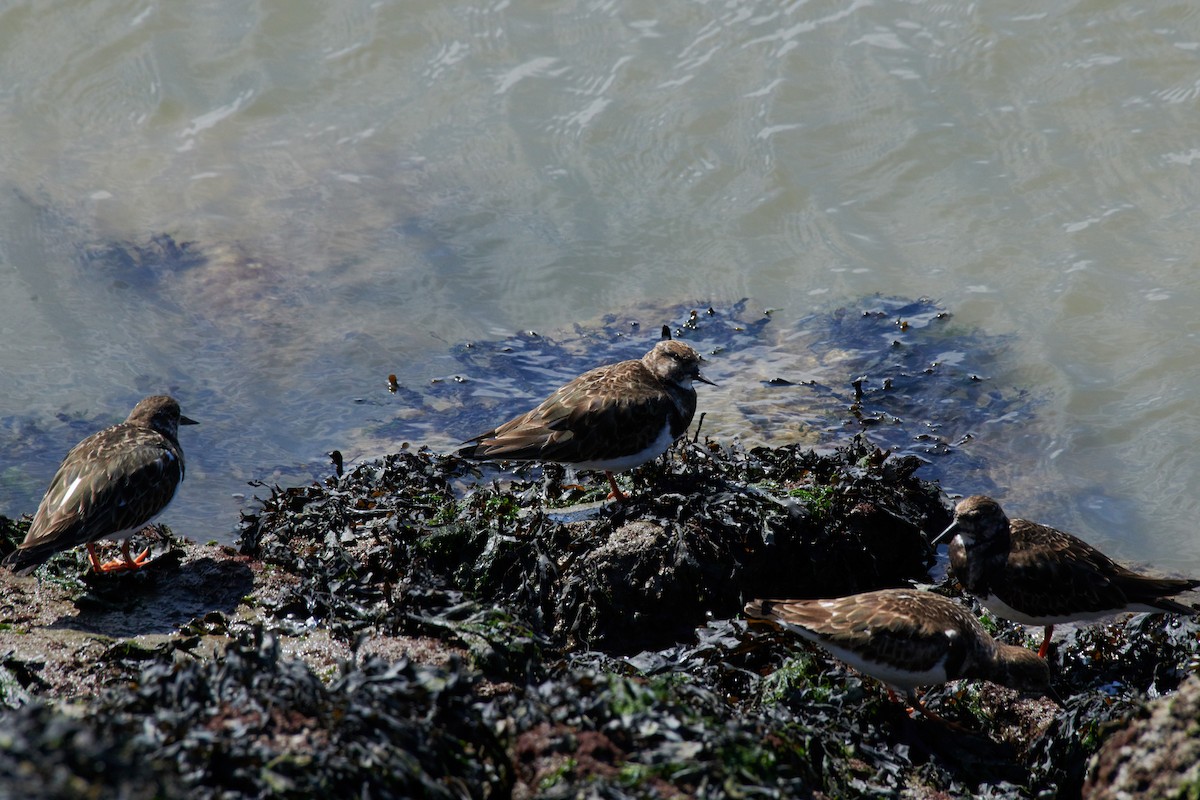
(470,450)
(1156,592)
(23,561)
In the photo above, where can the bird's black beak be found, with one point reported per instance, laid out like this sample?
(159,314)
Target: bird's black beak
(702,379)
(187,420)
(949,532)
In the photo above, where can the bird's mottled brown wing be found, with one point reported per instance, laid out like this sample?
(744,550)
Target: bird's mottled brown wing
(901,627)
(115,480)
(1051,572)
(601,414)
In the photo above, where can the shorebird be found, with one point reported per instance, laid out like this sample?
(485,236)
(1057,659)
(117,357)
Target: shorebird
(110,486)
(611,418)
(1037,575)
(906,638)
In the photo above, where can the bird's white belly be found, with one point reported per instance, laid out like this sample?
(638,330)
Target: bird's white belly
(1005,611)
(620,463)
(122,535)
(893,675)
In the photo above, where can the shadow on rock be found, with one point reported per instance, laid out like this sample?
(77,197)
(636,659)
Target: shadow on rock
(160,597)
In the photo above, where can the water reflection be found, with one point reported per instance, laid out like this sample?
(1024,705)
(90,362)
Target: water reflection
(368,185)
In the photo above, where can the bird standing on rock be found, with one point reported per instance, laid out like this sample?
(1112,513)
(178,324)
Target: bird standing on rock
(1037,575)
(611,418)
(110,486)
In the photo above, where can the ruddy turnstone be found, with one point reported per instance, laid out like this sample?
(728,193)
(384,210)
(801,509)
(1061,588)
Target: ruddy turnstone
(906,638)
(109,486)
(611,418)
(1037,575)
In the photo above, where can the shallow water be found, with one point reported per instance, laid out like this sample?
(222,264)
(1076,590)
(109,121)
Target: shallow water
(369,186)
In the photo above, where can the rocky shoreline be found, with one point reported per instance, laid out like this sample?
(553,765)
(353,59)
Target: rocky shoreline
(412,629)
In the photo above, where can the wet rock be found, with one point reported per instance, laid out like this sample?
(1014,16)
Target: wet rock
(251,722)
(1156,755)
(714,525)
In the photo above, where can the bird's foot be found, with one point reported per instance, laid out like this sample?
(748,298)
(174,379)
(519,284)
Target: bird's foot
(127,562)
(616,493)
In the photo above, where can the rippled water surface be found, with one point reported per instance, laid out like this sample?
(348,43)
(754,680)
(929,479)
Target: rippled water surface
(267,207)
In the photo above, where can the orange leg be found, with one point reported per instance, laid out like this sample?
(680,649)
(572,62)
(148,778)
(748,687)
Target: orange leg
(95,559)
(1045,648)
(128,562)
(615,494)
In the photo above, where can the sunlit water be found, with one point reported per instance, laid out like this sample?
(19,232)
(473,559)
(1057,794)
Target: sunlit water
(368,186)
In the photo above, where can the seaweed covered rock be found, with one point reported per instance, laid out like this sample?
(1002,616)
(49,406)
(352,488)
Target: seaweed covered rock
(1108,674)
(11,534)
(520,647)
(251,722)
(46,753)
(1155,755)
(421,626)
(710,526)
(603,733)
